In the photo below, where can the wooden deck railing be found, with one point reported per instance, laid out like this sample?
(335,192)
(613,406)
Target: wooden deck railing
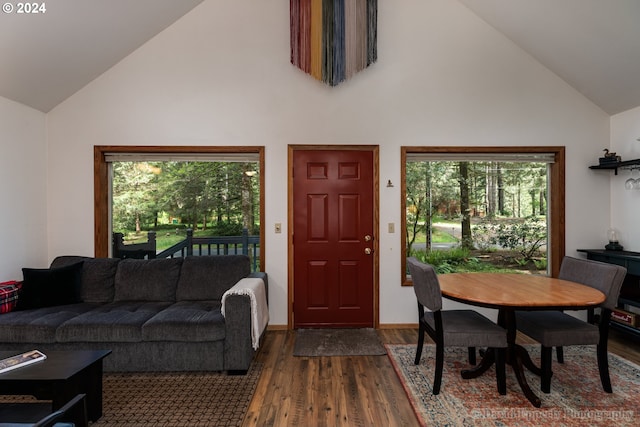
(215,245)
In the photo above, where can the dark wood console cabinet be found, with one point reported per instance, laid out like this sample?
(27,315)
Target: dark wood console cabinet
(630,292)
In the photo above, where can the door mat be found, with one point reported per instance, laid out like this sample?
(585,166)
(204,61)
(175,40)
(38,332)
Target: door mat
(576,397)
(338,342)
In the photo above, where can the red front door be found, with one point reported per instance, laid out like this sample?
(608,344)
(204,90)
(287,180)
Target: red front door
(333,221)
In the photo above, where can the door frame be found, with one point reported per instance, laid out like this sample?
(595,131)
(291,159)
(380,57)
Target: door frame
(374,149)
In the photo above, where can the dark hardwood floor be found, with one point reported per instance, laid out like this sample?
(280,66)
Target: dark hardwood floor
(347,391)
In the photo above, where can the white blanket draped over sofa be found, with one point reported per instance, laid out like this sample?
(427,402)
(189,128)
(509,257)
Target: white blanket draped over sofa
(254,288)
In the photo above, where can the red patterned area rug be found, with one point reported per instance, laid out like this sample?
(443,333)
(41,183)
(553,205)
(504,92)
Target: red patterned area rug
(576,397)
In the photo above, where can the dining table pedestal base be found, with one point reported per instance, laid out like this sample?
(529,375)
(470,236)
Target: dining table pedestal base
(489,357)
(517,357)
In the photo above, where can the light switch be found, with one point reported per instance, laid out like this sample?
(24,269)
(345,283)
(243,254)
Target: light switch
(392,227)
(278,228)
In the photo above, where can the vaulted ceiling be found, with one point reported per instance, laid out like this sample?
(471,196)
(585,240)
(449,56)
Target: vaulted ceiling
(594,45)
(47,57)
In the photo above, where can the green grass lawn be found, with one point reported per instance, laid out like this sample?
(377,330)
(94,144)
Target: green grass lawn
(437,236)
(164,239)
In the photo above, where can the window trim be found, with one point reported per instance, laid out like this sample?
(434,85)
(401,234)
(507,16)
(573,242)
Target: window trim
(556,248)
(101,185)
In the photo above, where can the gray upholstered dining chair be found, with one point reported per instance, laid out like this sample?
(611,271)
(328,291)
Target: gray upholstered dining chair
(559,329)
(453,328)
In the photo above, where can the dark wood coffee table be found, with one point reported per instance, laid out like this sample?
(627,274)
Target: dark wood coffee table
(59,378)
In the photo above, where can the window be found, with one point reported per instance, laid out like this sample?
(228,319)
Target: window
(483,194)
(227,181)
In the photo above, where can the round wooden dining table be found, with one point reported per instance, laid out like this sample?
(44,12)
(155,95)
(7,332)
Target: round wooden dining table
(511,292)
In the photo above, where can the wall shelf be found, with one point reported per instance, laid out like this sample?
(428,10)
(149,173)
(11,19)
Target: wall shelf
(627,164)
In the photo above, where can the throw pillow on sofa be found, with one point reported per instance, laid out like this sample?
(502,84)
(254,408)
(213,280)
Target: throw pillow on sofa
(9,295)
(208,277)
(147,280)
(98,275)
(48,287)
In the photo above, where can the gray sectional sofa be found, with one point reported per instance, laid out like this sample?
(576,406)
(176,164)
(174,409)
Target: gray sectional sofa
(155,315)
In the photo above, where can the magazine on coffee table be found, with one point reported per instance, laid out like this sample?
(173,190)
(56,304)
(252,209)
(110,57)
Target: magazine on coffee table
(21,360)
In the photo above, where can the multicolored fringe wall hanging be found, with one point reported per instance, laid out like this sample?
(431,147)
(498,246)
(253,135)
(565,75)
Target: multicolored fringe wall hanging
(333,39)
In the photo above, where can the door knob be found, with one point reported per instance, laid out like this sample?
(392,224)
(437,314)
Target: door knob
(368,251)
(367,238)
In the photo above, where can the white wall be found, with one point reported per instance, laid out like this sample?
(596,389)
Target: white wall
(22,189)
(625,204)
(221,76)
